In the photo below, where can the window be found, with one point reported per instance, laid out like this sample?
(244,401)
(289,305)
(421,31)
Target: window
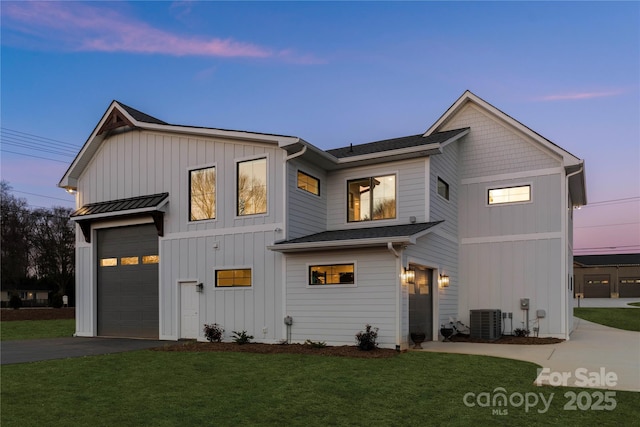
(443,188)
(308,183)
(108,262)
(129,260)
(630,281)
(150,259)
(202,194)
(499,196)
(233,278)
(336,274)
(371,198)
(252,187)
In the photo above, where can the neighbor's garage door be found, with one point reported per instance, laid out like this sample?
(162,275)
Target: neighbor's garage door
(629,288)
(597,286)
(128,281)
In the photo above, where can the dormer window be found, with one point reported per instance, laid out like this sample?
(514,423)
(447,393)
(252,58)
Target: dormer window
(371,198)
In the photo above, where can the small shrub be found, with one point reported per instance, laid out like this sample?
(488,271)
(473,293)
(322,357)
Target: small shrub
(242,337)
(521,332)
(56,301)
(213,332)
(315,344)
(15,302)
(367,338)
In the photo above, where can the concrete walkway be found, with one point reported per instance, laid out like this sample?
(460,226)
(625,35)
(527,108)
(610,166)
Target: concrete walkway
(607,302)
(62,348)
(593,349)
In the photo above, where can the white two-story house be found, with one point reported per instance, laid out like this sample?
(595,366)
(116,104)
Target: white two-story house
(179,226)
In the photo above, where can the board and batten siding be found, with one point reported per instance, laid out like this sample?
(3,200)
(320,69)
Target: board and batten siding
(493,148)
(497,275)
(335,314)
(306,212)
(139,163)
(85,295)
(540,215)
(411,190)
(257,310)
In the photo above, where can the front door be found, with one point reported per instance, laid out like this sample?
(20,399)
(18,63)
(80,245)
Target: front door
(189,319)
(421,302)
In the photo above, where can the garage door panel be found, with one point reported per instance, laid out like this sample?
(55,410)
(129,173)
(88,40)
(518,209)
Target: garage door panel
(128,292)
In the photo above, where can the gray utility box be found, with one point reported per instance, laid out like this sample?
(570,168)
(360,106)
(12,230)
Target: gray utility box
(486,324)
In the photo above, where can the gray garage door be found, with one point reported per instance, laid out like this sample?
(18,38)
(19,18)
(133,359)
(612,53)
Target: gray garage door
(128,282)
(597,286)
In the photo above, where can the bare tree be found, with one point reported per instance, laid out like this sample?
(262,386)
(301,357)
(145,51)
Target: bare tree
(203,194)
(252,195)
(16,228)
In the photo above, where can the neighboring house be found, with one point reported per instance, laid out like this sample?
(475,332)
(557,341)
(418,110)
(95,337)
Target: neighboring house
(32,294)
(181,226)
(607,276)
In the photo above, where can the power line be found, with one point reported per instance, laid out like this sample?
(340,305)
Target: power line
(35,157)
(611,202)
(28,136)
(609,225)
(42,195)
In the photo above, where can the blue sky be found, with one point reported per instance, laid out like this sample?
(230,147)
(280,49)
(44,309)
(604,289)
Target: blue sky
(333,73)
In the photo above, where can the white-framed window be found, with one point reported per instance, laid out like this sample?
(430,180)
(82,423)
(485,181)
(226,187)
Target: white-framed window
(443,188)
(371,198)
(332,274)
(308,183)
(202,194)
(251,184)
(506,195)
(233,278)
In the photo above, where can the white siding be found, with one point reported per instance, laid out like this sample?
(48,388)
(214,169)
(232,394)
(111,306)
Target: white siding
(335,314)
(492,148)
(411,190)
(84,291)
(235,309)
(541,215)
(306,212)
(498,275)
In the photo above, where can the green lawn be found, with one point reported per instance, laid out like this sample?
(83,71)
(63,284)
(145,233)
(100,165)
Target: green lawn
(30,329)
(147,388)
(635,304)
(621,318)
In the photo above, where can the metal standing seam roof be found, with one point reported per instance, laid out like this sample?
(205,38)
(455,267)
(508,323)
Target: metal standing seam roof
(140,116)
(113,206)
(395,143)
(391,231)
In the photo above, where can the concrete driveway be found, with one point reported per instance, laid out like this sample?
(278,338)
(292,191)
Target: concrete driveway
(61,348)
(589,359)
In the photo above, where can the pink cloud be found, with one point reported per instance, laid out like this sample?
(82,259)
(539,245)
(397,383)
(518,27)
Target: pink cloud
(572,96)
(83,27)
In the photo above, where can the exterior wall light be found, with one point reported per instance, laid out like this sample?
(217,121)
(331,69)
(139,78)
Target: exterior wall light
(409,275)
(199,287)
(443,280)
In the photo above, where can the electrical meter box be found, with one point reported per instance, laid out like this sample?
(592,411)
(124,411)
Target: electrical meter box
(524,303)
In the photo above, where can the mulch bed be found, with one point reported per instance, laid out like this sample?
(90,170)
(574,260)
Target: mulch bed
(342,351)
(8,314)
(508,339)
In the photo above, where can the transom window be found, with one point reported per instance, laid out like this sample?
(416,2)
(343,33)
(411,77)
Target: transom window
(498,196)
(443,188)
(252,187)
(630,281)
(239,277)
(308,183)
(202,194)
(334,274)
(371,198)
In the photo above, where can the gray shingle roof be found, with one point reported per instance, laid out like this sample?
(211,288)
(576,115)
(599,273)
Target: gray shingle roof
(140,116)
(602,260)
(390,231)
(394,143)
(111,206)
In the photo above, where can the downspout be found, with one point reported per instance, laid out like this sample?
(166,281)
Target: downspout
(287,330)
(398,296)
(565,248)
